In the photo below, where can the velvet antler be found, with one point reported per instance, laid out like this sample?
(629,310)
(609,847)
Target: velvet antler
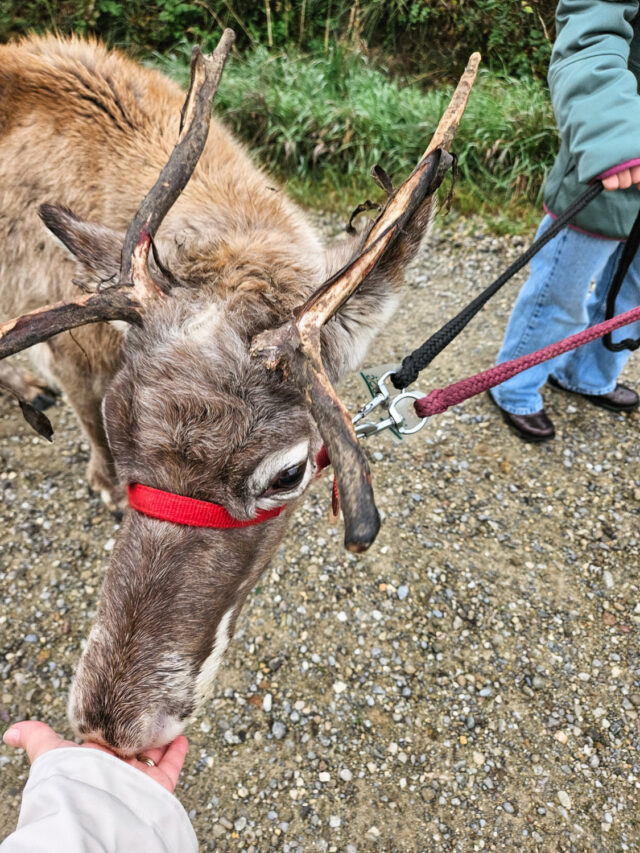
(295,347)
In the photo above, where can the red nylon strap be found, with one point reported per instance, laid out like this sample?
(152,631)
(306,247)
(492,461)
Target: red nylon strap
(440,399)
(322,459)
(179,509)
(182,510)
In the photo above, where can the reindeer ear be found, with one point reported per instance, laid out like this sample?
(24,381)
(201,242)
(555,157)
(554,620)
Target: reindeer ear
(97,247)
(347,336)
(118,417)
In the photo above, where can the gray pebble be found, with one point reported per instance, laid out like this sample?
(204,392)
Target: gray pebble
(278,730)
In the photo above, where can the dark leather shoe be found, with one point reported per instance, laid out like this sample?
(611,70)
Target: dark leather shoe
(534,428)
(621,399)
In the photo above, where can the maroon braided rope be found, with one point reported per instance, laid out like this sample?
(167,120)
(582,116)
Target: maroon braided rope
(441,399)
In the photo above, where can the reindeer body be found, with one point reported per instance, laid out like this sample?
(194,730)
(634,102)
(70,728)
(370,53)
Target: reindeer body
(179,404)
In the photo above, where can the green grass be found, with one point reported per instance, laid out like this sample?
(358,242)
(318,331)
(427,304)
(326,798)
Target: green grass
(320,123)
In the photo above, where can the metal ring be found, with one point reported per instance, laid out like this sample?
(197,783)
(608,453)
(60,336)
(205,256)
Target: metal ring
(144,759)
(398,417)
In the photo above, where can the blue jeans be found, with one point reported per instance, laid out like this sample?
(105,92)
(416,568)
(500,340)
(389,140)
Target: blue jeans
(558,300)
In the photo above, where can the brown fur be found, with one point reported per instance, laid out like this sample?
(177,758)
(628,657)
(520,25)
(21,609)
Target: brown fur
(184,406)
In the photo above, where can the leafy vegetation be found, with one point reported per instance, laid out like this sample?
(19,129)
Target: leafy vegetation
(322,123)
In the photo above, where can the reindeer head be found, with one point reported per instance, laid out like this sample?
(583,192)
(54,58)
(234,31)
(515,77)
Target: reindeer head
(222,403)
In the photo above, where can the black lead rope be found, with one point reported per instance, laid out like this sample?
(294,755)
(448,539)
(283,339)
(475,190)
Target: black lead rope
(628,253)
(424,355)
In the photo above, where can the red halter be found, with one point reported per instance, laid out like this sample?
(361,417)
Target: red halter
(179,509)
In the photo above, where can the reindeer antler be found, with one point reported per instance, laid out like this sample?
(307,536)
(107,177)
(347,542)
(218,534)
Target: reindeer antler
(135,287)
(206,72)
(295,346)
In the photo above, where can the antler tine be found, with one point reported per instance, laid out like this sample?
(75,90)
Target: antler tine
(43,323)
(206,72)
(295,346)
(297,354)
(34,417)
(452,116)
(328,299)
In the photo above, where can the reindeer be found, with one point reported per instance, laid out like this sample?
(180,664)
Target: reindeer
(199,357)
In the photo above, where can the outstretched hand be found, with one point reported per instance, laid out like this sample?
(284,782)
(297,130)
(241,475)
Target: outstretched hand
(622,180)
(36,738)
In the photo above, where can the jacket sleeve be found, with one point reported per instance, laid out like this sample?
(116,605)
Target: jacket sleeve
(86,801)
(593,91)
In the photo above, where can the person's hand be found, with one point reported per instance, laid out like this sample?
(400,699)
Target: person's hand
(37,738)
(622,180)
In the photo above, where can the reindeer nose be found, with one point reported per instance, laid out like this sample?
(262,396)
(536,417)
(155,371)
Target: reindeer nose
(129,740)
(129,736)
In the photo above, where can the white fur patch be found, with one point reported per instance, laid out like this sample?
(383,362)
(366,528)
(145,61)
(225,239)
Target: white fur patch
(78,694)
(207,674)
(120,326)
(201,327)
(271,466)
(166,731)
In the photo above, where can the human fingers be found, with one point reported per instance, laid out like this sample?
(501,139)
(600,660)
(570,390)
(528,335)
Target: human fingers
(156,754)
(167,769)
(610,183)
(34,737)
(624,179)
(635,175)
(172,761)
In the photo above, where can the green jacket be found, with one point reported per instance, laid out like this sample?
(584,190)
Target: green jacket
(594,78)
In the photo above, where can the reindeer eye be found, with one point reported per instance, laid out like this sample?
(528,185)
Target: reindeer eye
(288,479)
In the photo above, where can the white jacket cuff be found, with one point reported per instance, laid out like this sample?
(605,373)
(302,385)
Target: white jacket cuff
(87,801)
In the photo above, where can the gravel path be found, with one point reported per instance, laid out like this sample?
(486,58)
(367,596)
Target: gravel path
(472,683)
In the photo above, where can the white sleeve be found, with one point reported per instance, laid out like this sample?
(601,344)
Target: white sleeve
(87,801)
